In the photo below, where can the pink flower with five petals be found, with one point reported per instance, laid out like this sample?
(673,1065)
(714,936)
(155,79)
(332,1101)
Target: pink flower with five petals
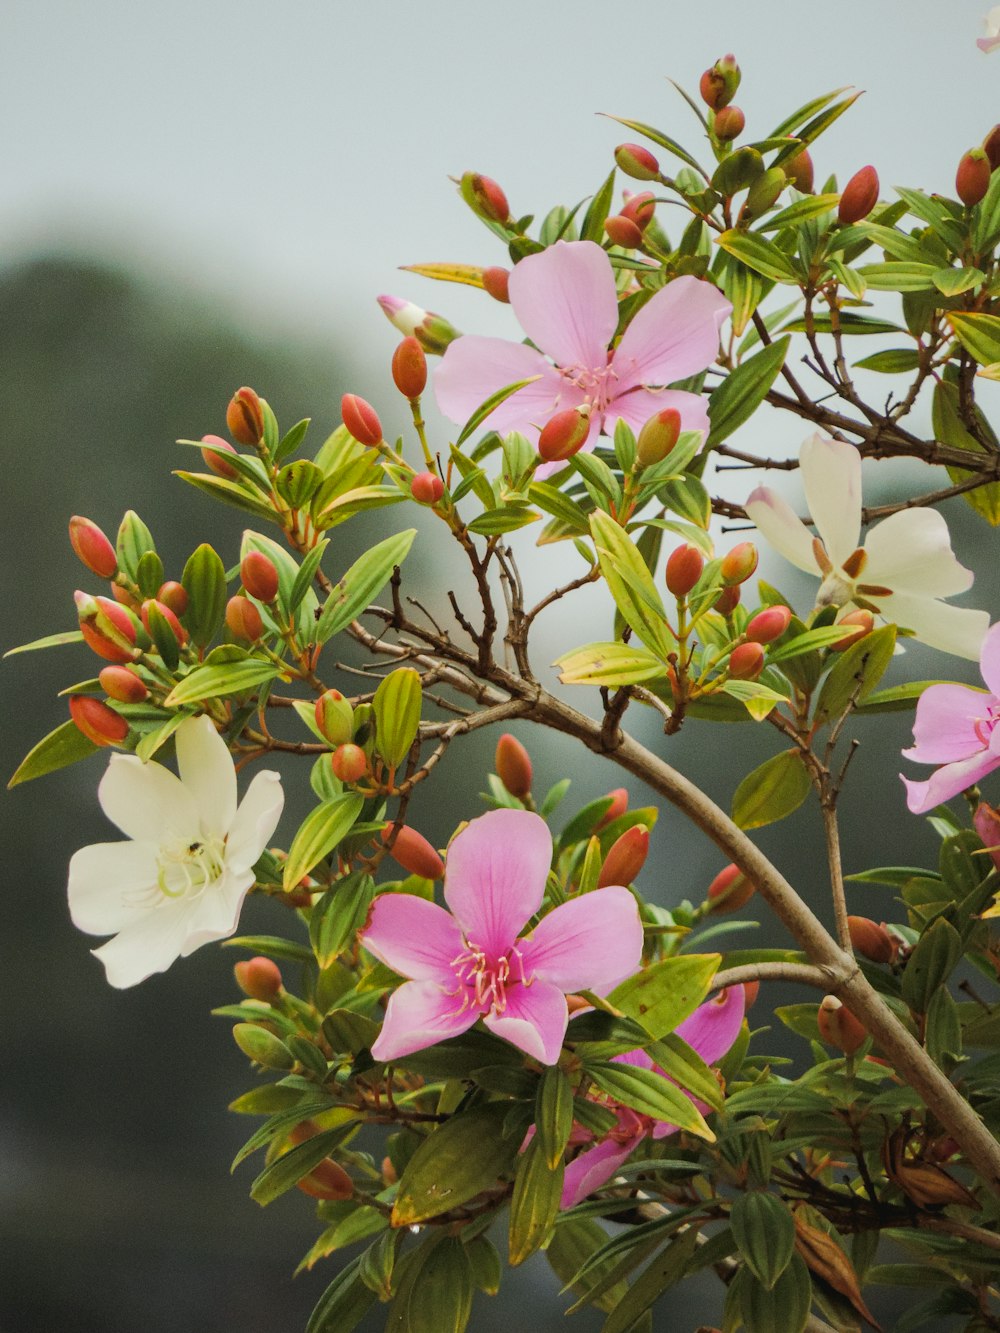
(473,962)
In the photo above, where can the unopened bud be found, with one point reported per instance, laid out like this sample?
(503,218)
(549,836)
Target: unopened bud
(991,147)
(718,85)
(730,123)
(243,619)
(409,368)
(800,172)
(349,763)
(413,852)
(639,208)
(485,197)
(986,822)
(174,595)
(618,806)
(637,162)
(179,632)
(728,600)
(97,721)
(657,437)
(751,989)
(427,488)
(856,625)
(763,193)
(746,661)
(769,624)
(361,419)
(625,858)
(496,283)
(972,179)
(212,460)
(107,628)
(564,434)
(245,417)
(260,978)
(513,765)
(730,890)
(389,1174)
(859,197)
(684,569)
(122,684)
(259,576)
(623,231)
(92,547)
(328,1180)
(838,1026)
(334,717)
(433,332)
(870,940)
(738,564)
(125,597)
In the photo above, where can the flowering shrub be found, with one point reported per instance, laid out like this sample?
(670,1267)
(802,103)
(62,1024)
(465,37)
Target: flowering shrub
(548,1046)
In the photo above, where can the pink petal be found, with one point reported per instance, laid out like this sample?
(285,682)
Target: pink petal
(495,876)
(781,528)
(988,44)
(715,1025)
(636,406)
(639,1059)
(953,629)
(566,301)
(415,938)
(989,659)
(474,368)
(948,782)
(590,943)
(831,479)
(674,335)
(420,1014)
(594,1167)
(534,1020)
(911,552)
(944,729)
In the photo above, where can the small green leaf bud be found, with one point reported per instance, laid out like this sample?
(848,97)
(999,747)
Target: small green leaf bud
(262,1046)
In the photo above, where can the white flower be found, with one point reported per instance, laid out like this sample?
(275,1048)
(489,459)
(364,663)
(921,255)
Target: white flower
(181,880)
(992,25)
(904,568)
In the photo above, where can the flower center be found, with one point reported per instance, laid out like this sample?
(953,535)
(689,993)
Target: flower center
(488,978)
(184,869)
(983,726)
(597,385)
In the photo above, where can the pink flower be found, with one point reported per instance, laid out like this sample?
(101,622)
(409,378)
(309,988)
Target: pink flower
(710,1031)
(992,24)
(566,301)
(956,727)
(473,962)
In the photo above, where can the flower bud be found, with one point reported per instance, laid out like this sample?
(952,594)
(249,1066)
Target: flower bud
(409,368)
(245,417)
(432,332)
(122,684)
(639,208)
(349,763)
(97,721)
(260,978)
(991,147)
(869,940)
(243,619)
(746,661)
(625,858)
(92,548)
(800,172)
(718,85)
(856,625)
(769,624)
(496,283)
(637,162)
(125,597)
(334,717)
(657,437)
(972,179)
(485,197)
(361,419)
(684,569)
(179,632)
(751,989)
(729,124)
(174,595)
(427,488)
(564,434)
(413,852)
(618,806)
(328,1180)
(738,564)
(859,197)
(212,460)
(728,600)
(986,822)
(838,1026)
(513,765)
(107,628)
(259,576)
(730,890)
(623,231)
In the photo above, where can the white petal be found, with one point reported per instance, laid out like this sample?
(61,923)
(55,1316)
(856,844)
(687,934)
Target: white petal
(106,883)
(216,913)
(953,629)
(781,528)
(911,552)
(147,801)
(255,821)
(207,771)
(148,945)
(831,478)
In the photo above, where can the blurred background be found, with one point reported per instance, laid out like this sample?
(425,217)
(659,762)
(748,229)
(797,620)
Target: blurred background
(204,195)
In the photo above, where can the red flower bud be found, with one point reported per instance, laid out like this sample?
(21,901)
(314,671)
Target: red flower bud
(625,858)
(485,196)
(260,978)
(92,548)
(97,721)
(751,989)
(728,600)
(684,568)
(637,162)
(856,625)
(180,633)
(212,460)
(174,595)
(730,890)
(126,598)
(623,231)
(334,717)
(730,123)
(243,619)
(972,179)
(245,417)
(349,763)
(746,661)
(618,806)
(799,170)
(718,85)
(413,852)
(991,147)
(838,1026)
(639,208)
(738,564)
(986,822)
(361,419)
(427,488)
(409,368)
(107,628)
(769,624)
(870,940)
(329,1180)
(859,197)
(259,576)
(122,684)
(564,434)
(513,765)
(657,437)
(496,282)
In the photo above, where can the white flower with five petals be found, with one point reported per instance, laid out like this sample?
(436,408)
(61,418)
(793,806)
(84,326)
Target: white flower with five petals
(903,570)
(181,879)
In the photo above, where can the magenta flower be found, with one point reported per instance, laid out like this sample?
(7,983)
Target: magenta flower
(474,963)
(710,1031)
(566,301)
(956,727)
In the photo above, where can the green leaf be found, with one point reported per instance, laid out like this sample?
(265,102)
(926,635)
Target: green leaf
(954,281)
(664,1272)
(134,540)
(686,1067)
(804,643)
(896,699)
(809,133)
(495,522)
(611,664)
(534,1205)
(230,492)
(930,964)
(631,584)
(49,641)
(574,1243)
(894,361)
(60,748)
(658,137)
(212,682)
(978,334)
(771,792)
(592,226)
(648,1093)
(662,995)
(758,699)
(204,581)
(743,390)
(353,592)
(856,674)
(782,1309)
(490,405)
(459,1160)
(341,911)
(765,1233)
(321,831)
(287,1170)
(439,1299)
(896,276)
(396,707)
(949,427)
(344,1304)
(762,256)
(553,1114)
(812,206)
